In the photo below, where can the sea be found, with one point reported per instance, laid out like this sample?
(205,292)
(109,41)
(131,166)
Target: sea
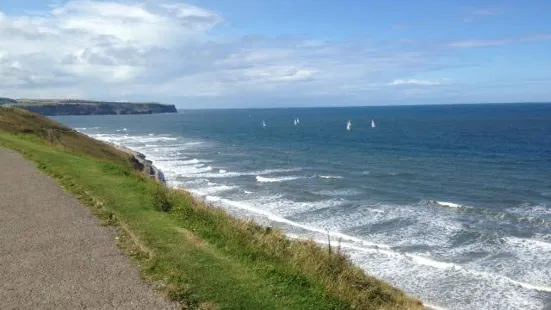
(450,203)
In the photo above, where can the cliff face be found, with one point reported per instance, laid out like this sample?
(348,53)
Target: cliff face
(99,109)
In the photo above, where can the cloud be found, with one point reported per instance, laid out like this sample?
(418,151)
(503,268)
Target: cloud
(95,41)
(417,82)
(498,42)
(480,43)
(166,50)
(171,52)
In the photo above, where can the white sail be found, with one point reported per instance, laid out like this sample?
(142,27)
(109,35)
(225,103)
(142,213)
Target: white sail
(298,121)
(295,122)
(372,124)
(263,124)
(348,125)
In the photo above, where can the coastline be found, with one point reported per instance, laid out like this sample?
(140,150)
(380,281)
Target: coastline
(143,164)
(155,173)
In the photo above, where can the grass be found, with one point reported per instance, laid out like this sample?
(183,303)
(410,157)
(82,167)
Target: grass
(197,254)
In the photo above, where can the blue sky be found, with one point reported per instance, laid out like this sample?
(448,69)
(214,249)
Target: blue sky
(246,53)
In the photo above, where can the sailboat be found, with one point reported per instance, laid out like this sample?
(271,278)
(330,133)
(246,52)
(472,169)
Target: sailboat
(295,122)
(263,124)
(298,121)
(372,124)
(348,125)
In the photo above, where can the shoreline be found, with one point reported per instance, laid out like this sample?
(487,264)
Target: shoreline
(146,166)
(150,167)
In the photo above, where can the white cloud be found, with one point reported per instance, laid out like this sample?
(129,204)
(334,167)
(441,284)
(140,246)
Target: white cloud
(480,43)
(160,50)
(498,42)
(97,42)
(417,82)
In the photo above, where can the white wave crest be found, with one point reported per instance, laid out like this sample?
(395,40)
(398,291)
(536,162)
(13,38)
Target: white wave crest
(329,177)
(279,219)
(195,161)
(276,179)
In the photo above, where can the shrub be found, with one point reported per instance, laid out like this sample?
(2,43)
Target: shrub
(162,199)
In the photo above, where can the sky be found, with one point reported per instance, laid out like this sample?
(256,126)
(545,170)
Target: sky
(277,53)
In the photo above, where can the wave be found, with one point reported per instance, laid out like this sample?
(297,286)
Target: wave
(339,192)
(131,139)
(330,177)
(230,174)
(383,174)
(276,218)
(445,204)
(212,188)
(423,260)
(194,161)
(276,179)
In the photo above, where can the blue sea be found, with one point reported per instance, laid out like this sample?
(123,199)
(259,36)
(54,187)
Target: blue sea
(451,203)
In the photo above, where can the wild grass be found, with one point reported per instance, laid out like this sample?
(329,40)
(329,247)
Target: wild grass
(198,254)
(19,121)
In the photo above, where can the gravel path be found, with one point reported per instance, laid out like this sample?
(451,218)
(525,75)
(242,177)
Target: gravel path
(54,254)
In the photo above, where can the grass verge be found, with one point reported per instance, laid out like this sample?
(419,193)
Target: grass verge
(199,255)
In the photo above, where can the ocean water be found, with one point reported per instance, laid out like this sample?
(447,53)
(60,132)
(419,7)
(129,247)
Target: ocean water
(450,203)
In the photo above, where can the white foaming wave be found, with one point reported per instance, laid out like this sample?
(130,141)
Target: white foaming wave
(202,169)
(423,260)
(132,139)
(489,281)
(448,204)
(276,218)
(222,171)
(534,211)
(229,174)
(430,227)
(276,179)
(195,181)
(211,189)
(194,161)
(528,243)
(339,192)
(194,143)
(284,207)
(330,177)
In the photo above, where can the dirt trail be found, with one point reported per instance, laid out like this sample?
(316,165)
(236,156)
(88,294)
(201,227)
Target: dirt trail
(53,252)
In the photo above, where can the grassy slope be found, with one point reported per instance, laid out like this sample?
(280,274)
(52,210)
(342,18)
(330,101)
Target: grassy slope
(203,258)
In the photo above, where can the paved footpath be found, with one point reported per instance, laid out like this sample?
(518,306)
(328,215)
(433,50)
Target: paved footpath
(53,252)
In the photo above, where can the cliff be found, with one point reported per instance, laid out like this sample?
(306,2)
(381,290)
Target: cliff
(52,107)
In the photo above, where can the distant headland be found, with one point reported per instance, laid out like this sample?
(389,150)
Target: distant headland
(53,107)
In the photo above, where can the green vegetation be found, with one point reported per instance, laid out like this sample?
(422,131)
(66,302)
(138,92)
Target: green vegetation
(193,252)
(87,107)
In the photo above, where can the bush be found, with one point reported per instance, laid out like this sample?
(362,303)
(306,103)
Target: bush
(162,199)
